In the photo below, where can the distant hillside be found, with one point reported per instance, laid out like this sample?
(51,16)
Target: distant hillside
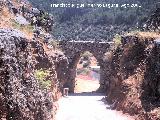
(96,23)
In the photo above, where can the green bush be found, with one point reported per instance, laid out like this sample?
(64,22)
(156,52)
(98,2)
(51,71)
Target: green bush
(41,75)
(117,40)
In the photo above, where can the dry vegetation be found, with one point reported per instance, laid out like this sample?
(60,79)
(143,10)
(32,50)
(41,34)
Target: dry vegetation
(5,18)
(144,35)
(7,21)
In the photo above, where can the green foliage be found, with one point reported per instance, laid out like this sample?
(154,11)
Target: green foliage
(96,23)
(117,40)
(41,75)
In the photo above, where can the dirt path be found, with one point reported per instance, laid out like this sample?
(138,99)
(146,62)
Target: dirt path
(86,107)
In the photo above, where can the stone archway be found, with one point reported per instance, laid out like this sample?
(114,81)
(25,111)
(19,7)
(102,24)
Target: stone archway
(87,74)
(73,51)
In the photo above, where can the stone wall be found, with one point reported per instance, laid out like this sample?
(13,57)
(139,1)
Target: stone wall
(73,51)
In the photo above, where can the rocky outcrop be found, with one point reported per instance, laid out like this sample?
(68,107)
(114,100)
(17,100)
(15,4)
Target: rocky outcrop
(20,95)
(53,61)
(134,78)
(61,64)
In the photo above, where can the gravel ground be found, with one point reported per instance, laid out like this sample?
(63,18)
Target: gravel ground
(86,107)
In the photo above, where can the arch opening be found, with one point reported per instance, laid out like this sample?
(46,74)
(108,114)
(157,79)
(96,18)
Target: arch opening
(87,73)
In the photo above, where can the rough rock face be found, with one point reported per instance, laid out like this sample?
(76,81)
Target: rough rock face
(55,62)
(134,78)
(61,64)
(20,95)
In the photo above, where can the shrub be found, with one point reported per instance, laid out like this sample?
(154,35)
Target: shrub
(41,76)
(117,40)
